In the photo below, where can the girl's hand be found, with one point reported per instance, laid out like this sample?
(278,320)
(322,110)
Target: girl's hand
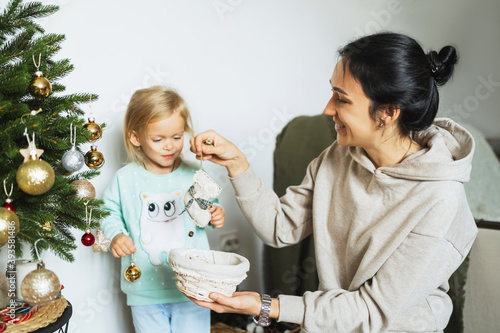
(122,245)
(218,216)
(248,303)
(222,152)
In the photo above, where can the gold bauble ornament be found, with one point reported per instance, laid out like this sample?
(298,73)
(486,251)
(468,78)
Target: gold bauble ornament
(132,273)
(39,86)
(40,286)
(94,159)
(94,129)
(9,225)
(84,188)
(35,176)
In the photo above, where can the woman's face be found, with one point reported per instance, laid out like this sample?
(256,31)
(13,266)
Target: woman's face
(349,107)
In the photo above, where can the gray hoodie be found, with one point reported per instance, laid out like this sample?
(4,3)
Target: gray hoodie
(386,239)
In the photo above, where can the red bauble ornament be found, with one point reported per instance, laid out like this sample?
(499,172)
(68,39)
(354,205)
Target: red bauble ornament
(88,239)
(9,205)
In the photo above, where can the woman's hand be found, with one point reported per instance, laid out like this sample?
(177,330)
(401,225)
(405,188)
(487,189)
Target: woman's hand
(122,245)
(222,152)
(248,303)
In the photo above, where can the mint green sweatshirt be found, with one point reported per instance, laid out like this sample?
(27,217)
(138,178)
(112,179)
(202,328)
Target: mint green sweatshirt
(146,207)
(386,239)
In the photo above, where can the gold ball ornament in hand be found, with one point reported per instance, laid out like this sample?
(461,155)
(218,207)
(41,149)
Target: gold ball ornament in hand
(132,273)
(35,176)
(94,129)
(9,225)
(39,86)
(94,159)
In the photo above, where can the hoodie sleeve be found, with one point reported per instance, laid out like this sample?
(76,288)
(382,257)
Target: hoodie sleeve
(114,223)
(410,287)
(278,222)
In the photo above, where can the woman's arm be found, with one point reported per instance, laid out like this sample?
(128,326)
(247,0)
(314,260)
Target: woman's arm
(277,221)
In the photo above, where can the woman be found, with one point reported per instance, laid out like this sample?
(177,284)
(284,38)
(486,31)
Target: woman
(385,202)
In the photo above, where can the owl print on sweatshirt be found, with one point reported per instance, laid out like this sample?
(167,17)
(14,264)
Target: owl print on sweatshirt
(162,228)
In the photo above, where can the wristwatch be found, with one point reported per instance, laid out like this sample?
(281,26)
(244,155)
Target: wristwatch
(263,319)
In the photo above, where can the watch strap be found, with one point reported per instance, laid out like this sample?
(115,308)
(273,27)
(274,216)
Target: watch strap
(263,319)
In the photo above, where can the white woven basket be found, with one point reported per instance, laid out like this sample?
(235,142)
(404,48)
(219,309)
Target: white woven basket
(200,272)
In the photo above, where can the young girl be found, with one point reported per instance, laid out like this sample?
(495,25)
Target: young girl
(144,199)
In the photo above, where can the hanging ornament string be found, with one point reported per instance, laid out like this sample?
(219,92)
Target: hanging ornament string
(36,249)
(31,145)
(93,127)
(88,238)
(8,201)
(39,60)
(72,136)
(90,107)
(88,217)
(207,142)
(32,113)
(7,193)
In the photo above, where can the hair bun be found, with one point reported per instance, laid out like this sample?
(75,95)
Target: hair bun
(442,64)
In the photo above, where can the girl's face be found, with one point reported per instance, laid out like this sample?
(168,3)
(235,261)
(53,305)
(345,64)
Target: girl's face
(161,143)
(349,107)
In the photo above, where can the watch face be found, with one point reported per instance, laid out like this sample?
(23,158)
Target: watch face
(262,321)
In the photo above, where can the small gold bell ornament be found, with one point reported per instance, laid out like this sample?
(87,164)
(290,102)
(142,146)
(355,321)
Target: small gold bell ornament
(94,159)
(94,129)
(132,273)
(41,285)
(34,176)
(39,87)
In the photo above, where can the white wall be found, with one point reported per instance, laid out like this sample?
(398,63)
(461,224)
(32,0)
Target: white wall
(245,68)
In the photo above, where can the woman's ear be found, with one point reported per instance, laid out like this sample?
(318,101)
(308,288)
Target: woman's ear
(134,139)
(389,114)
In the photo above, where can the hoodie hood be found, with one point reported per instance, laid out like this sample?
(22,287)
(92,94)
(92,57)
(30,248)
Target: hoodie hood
(447,155)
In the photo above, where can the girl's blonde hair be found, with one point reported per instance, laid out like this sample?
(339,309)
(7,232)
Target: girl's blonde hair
(148,104)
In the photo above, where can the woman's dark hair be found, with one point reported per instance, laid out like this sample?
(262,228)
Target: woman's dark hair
(394,70)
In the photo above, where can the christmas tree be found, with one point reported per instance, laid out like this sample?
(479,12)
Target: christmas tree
(35,107)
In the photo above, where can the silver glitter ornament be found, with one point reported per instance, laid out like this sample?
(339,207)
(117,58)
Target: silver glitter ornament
(73,160)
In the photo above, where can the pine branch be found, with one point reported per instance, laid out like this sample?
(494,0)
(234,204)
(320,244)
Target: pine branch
(17,16)
(51,216)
